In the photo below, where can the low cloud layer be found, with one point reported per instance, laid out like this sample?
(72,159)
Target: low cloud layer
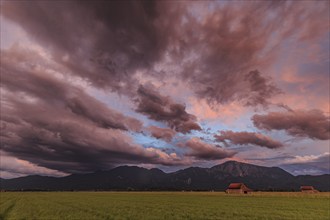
(253,138)
(313,124)
(12,167)
(311,164)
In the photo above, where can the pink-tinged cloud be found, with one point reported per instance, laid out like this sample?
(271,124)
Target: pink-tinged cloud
(164,109)
(13,167)
(166,134)
(41,86)
(223,114)
(234,41)
(54,124)
(205,151)
(242,138)
(313,124)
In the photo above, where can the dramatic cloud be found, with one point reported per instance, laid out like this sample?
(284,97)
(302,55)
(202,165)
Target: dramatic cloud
(162,133)
(242,138)
(118,37)
(162,108)
(55,124)
(301,123)
(202,150)
(230,42)
(216,50)
(73,146)
(21,75)
(81,79)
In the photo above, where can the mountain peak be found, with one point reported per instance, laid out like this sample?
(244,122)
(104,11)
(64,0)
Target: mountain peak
(233,163)
(239,169)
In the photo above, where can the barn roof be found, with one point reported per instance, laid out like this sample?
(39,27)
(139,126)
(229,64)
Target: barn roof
(235,186)
(307,188)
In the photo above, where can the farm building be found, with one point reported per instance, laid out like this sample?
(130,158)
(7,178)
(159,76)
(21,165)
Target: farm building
(234,188)
(308,189)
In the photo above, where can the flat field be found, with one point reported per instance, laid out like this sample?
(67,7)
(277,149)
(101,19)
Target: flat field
(163,205)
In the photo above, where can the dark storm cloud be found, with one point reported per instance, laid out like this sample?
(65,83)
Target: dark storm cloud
(30,80)
(103,41)
(52,123)
(162,108)
(242,138)
(166,134)
(217,51)
(204,151)
(301,123)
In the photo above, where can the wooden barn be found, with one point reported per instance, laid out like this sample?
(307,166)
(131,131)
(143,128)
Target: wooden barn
(237,188)
(308,189)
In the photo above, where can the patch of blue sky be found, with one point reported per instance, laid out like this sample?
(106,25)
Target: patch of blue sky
(149,141)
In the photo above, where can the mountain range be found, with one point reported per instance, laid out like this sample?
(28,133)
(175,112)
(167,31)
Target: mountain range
(194,178)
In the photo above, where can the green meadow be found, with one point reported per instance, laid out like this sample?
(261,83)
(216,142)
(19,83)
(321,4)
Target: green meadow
(163,205)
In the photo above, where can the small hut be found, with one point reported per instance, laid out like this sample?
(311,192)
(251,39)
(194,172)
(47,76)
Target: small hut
(238,188)
(308,189)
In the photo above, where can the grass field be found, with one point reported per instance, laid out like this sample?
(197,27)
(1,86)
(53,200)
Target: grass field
(163,205)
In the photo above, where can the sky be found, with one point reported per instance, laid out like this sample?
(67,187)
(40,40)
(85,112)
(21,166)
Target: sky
(93,85)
